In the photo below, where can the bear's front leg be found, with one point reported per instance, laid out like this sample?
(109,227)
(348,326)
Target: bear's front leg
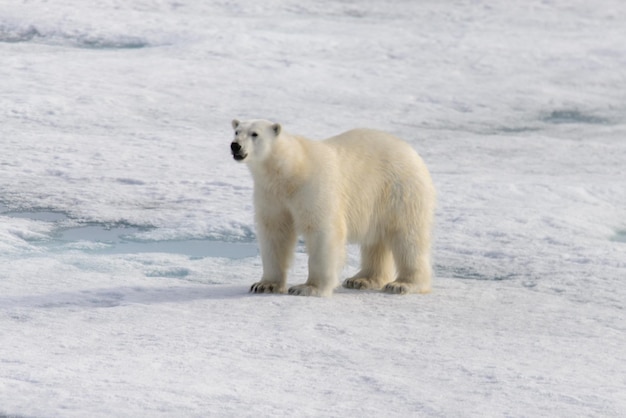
(277,241)
(326,249)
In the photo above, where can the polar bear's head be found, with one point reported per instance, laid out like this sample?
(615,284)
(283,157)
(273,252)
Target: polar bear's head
(253,139)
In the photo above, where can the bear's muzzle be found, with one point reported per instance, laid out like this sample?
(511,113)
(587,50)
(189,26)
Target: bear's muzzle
(238,153)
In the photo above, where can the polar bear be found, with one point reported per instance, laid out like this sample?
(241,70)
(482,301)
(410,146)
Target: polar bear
(362,186)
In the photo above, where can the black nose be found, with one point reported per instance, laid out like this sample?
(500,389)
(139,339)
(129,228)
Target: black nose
(235,147)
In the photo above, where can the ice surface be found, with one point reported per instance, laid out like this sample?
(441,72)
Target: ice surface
(115,125)
(124,239)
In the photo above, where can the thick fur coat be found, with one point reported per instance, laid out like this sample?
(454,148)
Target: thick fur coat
(362,186)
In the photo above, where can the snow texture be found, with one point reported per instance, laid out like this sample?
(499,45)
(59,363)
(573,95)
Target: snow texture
(115,131)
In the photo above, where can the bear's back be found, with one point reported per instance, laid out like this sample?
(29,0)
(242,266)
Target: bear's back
(370,150)
(381,176)
(366,141)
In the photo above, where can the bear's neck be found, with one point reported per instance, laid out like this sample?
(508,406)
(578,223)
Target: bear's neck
(286,168)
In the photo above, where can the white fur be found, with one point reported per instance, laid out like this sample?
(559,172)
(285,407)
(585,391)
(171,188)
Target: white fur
(362,186)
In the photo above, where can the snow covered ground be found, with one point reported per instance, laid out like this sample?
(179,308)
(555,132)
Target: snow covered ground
(126,232)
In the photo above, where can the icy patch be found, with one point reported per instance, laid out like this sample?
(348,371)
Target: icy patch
(12,34)
(516,129)
(173,272)
(570,116)
(620,236)
(2,415)
(38,216)
(469,273)
(105,239)
(100,238)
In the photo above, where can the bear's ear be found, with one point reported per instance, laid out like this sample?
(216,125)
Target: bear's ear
(276,128)
(235,123)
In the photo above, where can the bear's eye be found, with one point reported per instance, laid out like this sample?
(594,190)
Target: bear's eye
(254,135)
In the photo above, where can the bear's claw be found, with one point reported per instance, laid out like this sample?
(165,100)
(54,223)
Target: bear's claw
(403,288)
(397,288)
(304,290)
(266,287)
(361,283)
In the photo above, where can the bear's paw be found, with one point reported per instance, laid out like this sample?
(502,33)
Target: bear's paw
(267,287)
(361,283)
(304,290)
(398,288)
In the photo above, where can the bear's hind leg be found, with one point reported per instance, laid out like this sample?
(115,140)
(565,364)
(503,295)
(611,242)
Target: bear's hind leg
(412,257)
(376,268)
